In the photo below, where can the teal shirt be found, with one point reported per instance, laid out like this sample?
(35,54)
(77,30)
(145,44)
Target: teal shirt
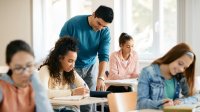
(90,44)
(169,90)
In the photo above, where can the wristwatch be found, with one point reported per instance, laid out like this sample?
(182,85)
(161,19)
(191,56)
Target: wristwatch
(101,78)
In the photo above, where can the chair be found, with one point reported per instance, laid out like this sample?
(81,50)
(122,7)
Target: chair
(122,102)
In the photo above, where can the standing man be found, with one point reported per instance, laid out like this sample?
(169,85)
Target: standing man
(93,35)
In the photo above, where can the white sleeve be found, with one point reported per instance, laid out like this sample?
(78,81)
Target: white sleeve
(44,76)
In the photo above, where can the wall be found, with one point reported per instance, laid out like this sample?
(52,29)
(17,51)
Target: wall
(15,23)
(192,28)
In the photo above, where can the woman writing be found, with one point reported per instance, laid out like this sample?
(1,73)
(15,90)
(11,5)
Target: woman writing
(58,75)
(160,83)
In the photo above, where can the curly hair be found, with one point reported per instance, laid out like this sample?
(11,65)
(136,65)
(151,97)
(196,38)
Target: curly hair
(62,47)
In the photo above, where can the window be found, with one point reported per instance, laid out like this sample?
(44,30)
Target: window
(49,17)
(153,25)
(80,7)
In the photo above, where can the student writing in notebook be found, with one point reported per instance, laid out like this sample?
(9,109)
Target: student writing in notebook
(124,63)
(58,75)
(161,83)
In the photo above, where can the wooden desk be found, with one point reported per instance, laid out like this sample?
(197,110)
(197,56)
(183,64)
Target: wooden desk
(85,101)
(125,82)
(147,110)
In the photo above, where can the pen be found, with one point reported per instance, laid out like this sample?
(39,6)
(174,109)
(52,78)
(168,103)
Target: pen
(163,103)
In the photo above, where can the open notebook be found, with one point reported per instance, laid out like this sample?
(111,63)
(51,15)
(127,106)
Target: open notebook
(70,98)
(183,108)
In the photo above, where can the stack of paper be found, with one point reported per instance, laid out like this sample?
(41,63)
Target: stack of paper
(69,98)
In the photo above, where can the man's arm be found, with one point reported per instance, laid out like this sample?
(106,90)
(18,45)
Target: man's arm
(100,79)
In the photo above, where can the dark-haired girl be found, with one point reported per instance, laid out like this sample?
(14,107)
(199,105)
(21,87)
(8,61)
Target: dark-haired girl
(20,88)
(58,75)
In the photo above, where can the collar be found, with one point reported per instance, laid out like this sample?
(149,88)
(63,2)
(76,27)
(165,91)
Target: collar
(121,57)
(7,78)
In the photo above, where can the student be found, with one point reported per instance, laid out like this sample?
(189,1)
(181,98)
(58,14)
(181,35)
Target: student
(93,35)
(160,83)
(20,89)
(57,74)
(123,63)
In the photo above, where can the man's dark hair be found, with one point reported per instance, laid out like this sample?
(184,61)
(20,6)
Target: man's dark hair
(105,13)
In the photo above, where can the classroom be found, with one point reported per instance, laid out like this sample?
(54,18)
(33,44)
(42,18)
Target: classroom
(115,51)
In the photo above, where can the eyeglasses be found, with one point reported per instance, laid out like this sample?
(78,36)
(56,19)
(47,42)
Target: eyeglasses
(20,70)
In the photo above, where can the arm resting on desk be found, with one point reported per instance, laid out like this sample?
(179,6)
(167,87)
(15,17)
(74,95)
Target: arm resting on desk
(190,100)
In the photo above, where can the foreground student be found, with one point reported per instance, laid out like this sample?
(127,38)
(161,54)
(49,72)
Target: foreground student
(20,89)
(58,75)
(161,83)
(124,63)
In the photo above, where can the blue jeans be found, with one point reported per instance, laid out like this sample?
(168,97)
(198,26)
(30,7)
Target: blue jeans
(89,75)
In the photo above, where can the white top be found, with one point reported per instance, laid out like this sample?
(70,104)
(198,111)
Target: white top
(58,90)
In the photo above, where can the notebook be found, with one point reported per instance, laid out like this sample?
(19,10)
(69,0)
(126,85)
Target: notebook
(70,98)
(99,94)
(181,108)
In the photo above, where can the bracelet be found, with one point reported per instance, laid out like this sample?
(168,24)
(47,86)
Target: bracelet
(101,78)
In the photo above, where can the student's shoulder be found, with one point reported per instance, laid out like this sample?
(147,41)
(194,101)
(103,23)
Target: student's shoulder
(150,70)
(44,71)
(44,68)
(114,53)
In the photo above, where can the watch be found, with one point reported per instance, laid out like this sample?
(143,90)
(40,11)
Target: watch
(101,78)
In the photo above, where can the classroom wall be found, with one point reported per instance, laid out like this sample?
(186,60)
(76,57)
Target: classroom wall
(192,28)
(15,23)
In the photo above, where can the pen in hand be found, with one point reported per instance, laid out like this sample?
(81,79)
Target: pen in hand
(163,103)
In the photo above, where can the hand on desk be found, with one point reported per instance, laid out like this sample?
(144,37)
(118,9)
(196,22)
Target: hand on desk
(101,85)
(80,91)
(168,102)
(177,102)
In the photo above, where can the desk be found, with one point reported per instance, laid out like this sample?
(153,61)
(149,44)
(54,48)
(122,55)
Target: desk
(85,101)
(125,82)
(146,110)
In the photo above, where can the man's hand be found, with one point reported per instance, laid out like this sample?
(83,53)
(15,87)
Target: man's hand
(100,85)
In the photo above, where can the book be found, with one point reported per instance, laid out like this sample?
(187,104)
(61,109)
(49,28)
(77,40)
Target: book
(181,108)
(70,98)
